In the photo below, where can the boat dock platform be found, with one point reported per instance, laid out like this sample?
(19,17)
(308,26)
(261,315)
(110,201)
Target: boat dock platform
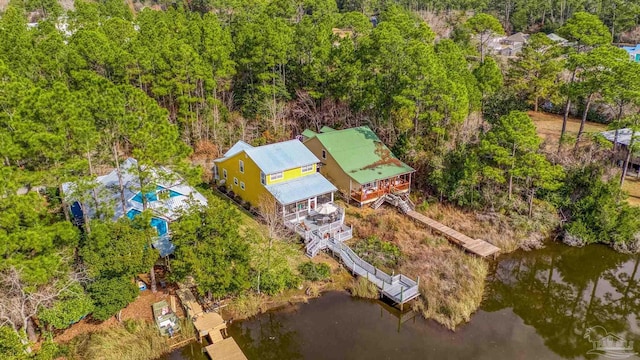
(398,288)
(226,349)
(475,246)
(211,325)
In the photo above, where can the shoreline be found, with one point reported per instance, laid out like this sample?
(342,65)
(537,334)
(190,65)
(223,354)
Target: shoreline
(423,252)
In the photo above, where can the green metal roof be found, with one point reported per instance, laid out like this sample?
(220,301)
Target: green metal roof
(309,133)
(326,129)
(362,155)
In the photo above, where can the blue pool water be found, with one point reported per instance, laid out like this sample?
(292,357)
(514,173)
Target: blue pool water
(131,214)
(160,225)
(153,195)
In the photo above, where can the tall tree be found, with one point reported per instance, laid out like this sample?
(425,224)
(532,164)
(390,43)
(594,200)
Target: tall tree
(209,241)
(598,71)
(484,26)
(506,149)
(587,31)
(535,72)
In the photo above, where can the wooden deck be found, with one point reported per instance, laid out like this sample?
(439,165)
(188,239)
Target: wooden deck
(226,349)
(475,246)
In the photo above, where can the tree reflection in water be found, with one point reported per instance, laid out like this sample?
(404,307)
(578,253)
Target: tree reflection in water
(562,291)
(267,338)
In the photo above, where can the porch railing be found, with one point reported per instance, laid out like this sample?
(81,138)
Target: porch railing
(362,196)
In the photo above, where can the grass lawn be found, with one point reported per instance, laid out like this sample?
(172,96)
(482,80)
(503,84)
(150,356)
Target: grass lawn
(550,125)
(632,187)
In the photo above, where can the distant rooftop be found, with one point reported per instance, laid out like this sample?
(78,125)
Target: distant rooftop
(624,136)
(557,38)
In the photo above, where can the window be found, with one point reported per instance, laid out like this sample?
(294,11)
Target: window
(242,185)
(277,176)
(307,168)
(324,153)
(263,178)
(224,173)
(235,181)
(241,167)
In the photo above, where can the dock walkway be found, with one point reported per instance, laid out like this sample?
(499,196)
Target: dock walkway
(476,246)
(397,288)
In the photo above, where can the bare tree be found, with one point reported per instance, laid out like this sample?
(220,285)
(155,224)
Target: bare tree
(20,301)
(271,215)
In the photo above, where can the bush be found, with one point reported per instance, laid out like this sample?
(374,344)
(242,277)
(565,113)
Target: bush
(72,307)
(11,347)
(276,280)
(314,271)
(598,212)
(145,342)
(111,295)
(364,288)
(381,254)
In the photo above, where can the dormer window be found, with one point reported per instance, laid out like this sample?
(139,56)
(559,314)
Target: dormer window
(276,176)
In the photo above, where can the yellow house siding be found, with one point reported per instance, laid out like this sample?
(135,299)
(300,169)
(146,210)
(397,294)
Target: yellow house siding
(254,191)
(330,168)
(291,174)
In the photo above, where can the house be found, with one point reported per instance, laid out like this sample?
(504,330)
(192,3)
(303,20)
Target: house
(167,201)
(557,39)
(507,46)
(358,163)
(283,174)
(517,40)
(622,140)
(633,51)
(512,45)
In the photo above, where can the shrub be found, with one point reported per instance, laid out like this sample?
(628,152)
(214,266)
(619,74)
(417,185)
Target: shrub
(74,305)
(10,345)
(364,288)
(111,295)
(314,271)
(379,253)
(145,342)
(276,280)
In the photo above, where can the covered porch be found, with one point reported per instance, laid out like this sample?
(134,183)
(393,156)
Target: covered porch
(370,192)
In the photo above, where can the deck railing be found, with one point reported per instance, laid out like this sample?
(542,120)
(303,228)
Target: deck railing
(360,196)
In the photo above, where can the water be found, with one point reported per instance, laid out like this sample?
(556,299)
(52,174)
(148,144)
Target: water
(538,305)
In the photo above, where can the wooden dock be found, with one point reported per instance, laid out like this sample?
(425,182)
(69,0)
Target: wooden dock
(211,325)
(226,349)
(475,246)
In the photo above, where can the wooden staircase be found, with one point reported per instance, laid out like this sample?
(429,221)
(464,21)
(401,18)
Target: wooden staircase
(376,204)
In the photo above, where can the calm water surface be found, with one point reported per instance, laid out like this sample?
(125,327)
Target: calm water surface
(538,305)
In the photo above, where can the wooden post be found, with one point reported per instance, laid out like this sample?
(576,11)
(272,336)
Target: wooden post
(418,285)
(401,297)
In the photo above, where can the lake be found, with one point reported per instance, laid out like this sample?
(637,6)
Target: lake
(544,304)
